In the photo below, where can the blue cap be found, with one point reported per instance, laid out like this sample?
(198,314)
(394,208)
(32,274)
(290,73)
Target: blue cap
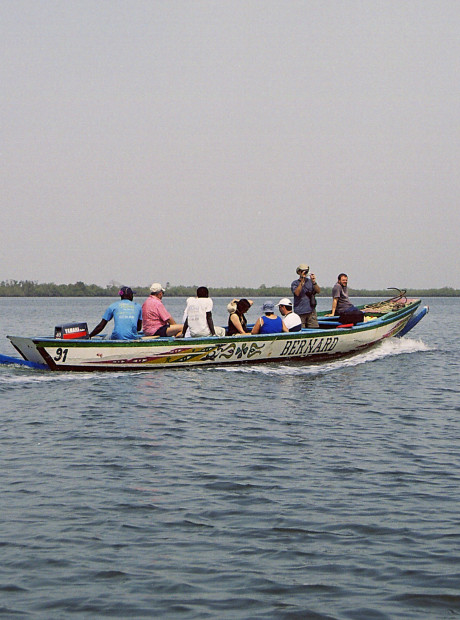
(268,306)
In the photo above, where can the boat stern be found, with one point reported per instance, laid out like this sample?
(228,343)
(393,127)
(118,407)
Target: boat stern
(27,348)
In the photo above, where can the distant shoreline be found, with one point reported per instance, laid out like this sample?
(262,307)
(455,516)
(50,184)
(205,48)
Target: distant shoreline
(26,288)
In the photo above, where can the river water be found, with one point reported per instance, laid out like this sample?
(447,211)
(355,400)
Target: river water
(272,491)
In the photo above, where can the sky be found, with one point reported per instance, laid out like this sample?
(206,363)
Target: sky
(222,143)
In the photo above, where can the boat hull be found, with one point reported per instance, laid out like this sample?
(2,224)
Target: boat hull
(146,354)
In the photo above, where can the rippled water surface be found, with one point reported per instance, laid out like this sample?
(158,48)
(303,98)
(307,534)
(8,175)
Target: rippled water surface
(272,491)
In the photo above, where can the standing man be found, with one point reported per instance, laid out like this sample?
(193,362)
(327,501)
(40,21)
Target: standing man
(304,290)
(127,317)
(290,318)
(156,320)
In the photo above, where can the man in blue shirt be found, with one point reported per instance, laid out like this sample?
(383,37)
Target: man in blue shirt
(127,316)
(304,290)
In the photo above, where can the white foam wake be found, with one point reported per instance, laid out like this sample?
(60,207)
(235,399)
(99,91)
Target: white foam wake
(22,375)
(386,348)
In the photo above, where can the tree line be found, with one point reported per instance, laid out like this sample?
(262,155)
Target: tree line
(29,288)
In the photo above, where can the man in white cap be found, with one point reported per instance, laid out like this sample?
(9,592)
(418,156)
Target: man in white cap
(304,290)
(156,320)
(290,318)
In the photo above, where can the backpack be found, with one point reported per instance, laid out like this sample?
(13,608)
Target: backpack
(352,316)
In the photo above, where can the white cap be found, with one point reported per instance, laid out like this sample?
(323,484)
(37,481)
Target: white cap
(284,302)
(156,288)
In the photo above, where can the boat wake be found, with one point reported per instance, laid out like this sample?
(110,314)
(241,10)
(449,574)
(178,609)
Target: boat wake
(387,348)
(21,375)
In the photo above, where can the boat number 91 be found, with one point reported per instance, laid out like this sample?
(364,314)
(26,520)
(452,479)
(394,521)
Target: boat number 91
(61,354)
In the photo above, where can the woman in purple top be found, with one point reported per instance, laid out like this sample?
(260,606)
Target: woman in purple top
(269,323)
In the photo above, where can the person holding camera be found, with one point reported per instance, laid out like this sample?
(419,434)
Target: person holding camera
(304,290)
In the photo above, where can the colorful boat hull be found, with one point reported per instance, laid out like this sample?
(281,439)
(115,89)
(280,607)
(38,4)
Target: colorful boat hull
(312,345)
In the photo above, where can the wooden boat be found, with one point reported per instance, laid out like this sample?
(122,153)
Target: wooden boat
(385,319)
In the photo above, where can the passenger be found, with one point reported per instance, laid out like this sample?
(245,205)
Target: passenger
(290,319)
(304,290)
(198,316)
(341,304)
(156,320)
(270,323)
(237,321)
(126,314)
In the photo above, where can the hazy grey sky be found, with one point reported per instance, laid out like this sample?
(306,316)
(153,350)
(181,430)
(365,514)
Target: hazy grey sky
(223,142)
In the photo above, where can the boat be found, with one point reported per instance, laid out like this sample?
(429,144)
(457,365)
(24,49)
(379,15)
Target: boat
(385,319)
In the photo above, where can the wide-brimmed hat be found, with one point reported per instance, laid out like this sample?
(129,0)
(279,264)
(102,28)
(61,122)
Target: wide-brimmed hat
(302,267)
(156,288)
(284,302)
(268,306)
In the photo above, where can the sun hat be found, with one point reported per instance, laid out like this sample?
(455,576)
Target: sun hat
(231,307)
(126,290)
(268,306)
(156,288)
(302,267)
(284,302)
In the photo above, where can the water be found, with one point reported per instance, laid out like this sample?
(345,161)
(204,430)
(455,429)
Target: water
(272,491)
